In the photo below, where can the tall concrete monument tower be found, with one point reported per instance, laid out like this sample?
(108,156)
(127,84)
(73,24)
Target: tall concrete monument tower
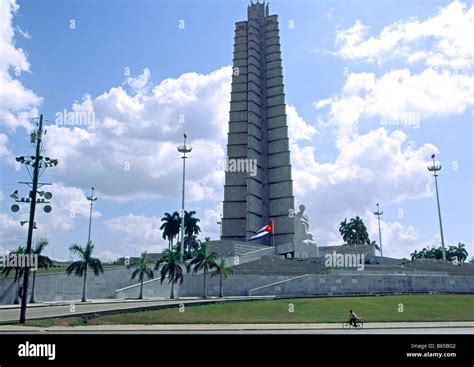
(258,133)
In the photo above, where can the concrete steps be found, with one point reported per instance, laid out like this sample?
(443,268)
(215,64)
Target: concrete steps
(269,265)
(229,248)
(240,248)
(448,267)
(273,266)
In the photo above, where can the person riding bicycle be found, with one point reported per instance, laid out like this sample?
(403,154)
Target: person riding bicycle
(353,318)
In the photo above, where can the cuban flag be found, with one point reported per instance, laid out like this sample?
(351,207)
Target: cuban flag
(264,231)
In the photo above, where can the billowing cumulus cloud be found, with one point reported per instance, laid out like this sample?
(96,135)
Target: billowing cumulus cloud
(398,97)
(18,102)
(129,149)
(441,41)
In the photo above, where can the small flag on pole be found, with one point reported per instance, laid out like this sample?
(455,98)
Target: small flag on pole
(185,136)
(264,231)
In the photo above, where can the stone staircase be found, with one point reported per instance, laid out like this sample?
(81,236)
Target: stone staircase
(421,267)
(277,266)
(448,267)
(229,248)
(273,265)
(243,248)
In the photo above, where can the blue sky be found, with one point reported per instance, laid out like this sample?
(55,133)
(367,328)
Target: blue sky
(348,66)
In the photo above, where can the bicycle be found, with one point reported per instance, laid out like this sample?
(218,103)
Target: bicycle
(359,324)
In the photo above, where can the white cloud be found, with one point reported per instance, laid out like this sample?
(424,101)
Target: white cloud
(140,83)
(5,153)
(18,102)
(140,233)
(298,129)
(443,40)
(398,97)
(375,167)
(130,149)
(23,33)
(380,166)
(398,240)
(208,224)
(11,232)
(350,38)
(107,255)
(69,205)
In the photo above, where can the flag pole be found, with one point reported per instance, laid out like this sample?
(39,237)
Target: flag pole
(273,233)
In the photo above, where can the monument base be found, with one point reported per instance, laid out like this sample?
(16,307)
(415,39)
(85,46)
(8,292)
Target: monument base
(302,249)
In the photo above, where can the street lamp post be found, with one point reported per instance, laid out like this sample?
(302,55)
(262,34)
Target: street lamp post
(378,213)
(183,149)
(38,164)
(435,168)
(91,199)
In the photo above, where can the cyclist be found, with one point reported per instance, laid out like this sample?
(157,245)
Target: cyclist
(353,318)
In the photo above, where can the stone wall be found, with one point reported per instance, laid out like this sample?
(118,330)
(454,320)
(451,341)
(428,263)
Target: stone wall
(60,287)
(310,284)
(116,283)
(233,286)
(151,289)
(192,284)
(314,284)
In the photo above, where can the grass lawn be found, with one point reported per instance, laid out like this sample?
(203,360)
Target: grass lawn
(305,310)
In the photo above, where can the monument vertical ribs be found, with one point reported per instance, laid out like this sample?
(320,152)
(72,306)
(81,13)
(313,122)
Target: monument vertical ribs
(258,130)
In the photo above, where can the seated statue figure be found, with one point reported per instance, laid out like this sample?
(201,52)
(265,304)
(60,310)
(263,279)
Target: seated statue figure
(305,245)
(302,232)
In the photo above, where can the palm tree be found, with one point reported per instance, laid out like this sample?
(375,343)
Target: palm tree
(437,253)
(223,271)
(461,252)
(19,271)
(355,232)
(170,227)
(361,234)
(191,226)
(203,260)
(142,270)
(172,267)
(345,231)
(79,267)
(191,230)
(424,253)
(373,244)
(414,255)
(43,262)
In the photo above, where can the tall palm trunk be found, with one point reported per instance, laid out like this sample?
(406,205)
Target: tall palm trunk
(84,287)
(172,290)
(32,298)
(205,285)
(221,286)
(140,296)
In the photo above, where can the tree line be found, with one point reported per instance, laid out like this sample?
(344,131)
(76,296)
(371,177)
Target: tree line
(457,252)
(195,258)
(172,266)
